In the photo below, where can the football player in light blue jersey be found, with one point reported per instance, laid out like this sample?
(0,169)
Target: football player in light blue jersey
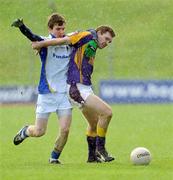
(52,86)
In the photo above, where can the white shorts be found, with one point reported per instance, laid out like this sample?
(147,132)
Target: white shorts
(52,102)
(84,90)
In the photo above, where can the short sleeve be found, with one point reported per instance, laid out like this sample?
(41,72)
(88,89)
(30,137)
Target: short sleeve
(78,36)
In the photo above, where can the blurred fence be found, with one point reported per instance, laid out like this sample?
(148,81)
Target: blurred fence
(18,94)
(112,91)
(136,91)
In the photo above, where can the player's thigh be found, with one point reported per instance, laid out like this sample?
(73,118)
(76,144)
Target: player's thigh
(91,116)
(98,105)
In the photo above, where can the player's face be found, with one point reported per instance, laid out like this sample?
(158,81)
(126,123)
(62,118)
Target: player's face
(58,31)
(104,39)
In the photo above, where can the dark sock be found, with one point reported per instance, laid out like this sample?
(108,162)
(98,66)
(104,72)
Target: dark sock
(100,142)
(91,145)
(55,154)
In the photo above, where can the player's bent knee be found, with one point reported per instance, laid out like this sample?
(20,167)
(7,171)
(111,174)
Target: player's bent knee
(108,114)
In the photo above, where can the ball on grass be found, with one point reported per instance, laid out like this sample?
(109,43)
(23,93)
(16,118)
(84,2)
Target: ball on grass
(140,156)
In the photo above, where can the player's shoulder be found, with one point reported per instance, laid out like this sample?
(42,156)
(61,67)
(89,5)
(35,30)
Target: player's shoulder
(93,32)
(72,33)
(50,36)
(80,36)
(45,37)
(79,32)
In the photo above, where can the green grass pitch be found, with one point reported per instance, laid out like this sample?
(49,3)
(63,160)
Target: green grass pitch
(132,125)
(142,50)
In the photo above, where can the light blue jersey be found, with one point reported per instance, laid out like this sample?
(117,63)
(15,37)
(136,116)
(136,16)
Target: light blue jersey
(54,68)
(52,86)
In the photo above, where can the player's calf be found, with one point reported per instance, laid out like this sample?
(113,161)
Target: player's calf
(36,131)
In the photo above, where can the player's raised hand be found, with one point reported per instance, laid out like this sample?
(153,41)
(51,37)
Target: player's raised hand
(17,22)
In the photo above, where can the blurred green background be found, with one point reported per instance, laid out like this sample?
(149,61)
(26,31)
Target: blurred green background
(141,50)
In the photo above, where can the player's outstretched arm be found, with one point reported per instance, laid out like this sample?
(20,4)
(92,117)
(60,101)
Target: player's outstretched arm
(25,30)
(51,42)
